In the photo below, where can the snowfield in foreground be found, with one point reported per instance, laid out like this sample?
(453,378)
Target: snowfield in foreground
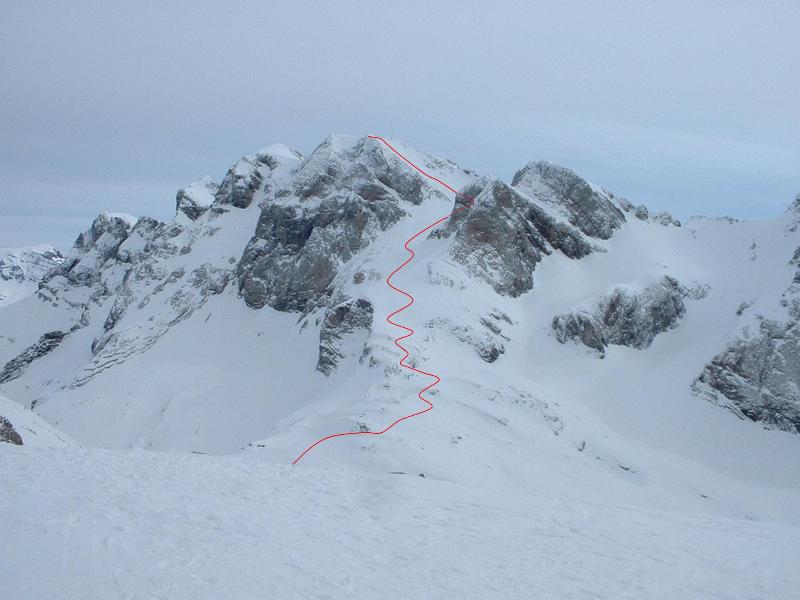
(89,523)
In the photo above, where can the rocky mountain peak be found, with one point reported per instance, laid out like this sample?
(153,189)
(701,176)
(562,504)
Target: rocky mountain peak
(277,154)
(586,206)
(502,236)
(93,248)
(195,199)
(241,182)
(319,215)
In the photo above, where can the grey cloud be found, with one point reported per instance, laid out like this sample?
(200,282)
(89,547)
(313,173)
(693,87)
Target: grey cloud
(689,107)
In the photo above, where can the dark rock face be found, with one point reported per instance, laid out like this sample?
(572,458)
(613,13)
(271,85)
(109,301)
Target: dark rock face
(587,208)
(336,204)
(631,319)
(241,182)
(341,322)
(502,237)
(8,434)
(758,377)
(583,327)
(625,317)
(47,343)
(293,256)
(188,206)
(194,201)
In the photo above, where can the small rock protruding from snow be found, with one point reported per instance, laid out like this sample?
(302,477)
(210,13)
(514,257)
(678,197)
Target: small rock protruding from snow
(643,214)
(21,426)
(8,434)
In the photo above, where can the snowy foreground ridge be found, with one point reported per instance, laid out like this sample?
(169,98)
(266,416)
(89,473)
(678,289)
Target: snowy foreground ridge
(618,415)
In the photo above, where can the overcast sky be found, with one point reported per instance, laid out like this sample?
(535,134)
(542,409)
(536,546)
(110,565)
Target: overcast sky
(689,107)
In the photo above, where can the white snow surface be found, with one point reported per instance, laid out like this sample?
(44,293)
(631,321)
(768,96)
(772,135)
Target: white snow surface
(105,524)
(550,473)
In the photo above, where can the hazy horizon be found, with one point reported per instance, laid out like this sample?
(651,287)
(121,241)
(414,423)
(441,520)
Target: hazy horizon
(690,109)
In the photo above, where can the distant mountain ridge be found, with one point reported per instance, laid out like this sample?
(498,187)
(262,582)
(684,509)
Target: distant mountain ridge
(21,270)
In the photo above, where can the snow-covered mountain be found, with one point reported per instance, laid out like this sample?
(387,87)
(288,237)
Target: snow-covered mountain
(21,270)
(257,313)
(255,318)
(587,348)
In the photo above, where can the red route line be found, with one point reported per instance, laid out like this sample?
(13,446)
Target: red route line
(401,309)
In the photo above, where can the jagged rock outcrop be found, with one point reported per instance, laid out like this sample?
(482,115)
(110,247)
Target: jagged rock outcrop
(343,165)
(194,200)
(794,212)
(293,257)
(758,376)
(582,326)
(625,317)
(334,206)
(93,249)
(587,207)
(22,269)
(46,344)
(241,182)
(338,327)
(486,337)
(643,214)
(186,294)
(28,264)
(8,434)
(502,236)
